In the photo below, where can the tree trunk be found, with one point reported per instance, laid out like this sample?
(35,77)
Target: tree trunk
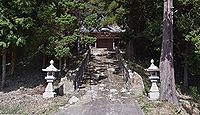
(60,63)
(168,88)
(43,61)
(3,68)
(13,60)
(78,45)
(60,66)
(131,50)
(65,63)
(185,81)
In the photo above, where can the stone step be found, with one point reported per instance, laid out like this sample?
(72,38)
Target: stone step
(105,109)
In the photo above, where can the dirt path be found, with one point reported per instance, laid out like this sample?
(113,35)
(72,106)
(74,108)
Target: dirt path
(105,90)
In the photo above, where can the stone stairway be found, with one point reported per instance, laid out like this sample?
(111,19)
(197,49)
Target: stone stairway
(105,92)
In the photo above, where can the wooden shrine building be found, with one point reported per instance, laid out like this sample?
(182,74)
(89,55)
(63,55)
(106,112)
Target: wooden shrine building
(107,37)
(107,40)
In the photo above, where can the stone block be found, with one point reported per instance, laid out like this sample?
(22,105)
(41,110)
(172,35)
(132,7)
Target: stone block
(47,94)
(73,100)
(154,95)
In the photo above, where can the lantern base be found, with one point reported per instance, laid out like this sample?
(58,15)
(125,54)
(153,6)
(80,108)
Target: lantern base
(154,95)
(48,94)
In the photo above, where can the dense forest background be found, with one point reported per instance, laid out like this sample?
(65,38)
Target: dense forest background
(54,29)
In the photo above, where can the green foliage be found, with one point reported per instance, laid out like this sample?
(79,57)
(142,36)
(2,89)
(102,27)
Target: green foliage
(24,6)
(25,23)
(194,38)
(15,22)
(88,40)
(60,21)
(46,12)
(3,44)
(66,20)
(108,12)
(61,51)
(154,31)
(194,92)
(187,34)
(91,21)
(113,5)
(184,22)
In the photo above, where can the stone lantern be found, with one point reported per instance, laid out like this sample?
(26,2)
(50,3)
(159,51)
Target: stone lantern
(49,91)
(153,70)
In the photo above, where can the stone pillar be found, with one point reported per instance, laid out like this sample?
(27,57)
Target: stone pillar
(130,74)
(113,44)
(95,44)
(78,45)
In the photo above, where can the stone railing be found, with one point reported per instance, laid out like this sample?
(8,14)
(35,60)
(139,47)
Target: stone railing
(72,80)
(81,69)
(127,73)
(133,81)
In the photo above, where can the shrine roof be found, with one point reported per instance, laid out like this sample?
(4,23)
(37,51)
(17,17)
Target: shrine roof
(114,28)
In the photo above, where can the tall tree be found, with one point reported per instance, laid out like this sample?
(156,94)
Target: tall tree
(168,90)
(12,30)
(3,68)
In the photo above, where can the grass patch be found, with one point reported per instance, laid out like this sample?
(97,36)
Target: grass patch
(156,107)
(12,110)
(54,107)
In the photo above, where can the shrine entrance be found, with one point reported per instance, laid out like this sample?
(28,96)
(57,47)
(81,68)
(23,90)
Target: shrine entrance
(108,40)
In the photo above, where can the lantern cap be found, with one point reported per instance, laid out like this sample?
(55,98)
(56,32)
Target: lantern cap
(51,68)
(152,67)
